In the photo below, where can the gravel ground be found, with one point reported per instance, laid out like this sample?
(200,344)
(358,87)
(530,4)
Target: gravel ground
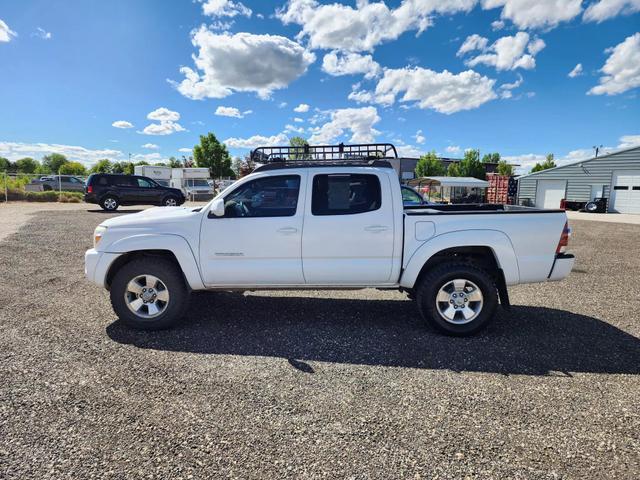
(318,384)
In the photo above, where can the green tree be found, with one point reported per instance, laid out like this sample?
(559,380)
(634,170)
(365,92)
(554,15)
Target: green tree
(236,166)
(122,167)
(548,163)
(213,154)
(471,166)
(73,168)
(429,165)
(174,163)
(491,158)
(54,161)
(454,170)
(299,145)
(6,165)
(103,166)
(26,165)
(504,168)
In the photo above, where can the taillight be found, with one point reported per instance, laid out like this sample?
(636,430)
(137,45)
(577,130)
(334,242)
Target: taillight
(564,239)
(89,189)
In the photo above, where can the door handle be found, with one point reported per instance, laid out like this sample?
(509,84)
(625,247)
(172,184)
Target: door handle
(287,230)
(376,228)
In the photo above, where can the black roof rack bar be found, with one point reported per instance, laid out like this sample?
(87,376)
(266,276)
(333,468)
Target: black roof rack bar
(330,153)
(277,165)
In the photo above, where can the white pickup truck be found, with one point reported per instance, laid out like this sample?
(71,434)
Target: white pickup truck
(317,224)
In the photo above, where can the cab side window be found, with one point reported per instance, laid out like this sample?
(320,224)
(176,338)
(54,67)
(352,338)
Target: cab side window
(142,183)
(345,194)
(264,197)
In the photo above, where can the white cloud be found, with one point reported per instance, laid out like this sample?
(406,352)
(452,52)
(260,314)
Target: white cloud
(225,8)
(293,129)
(337,64)
(606,9)
(455,149)
(359,121)
(185,150)
(146,157)
(510,52)
(420,138)
(86,156)
(471,43)
(628,141)
(298,120)
(150,146)
(622,68)
(282,104)
(42,33)
(506,88)
(6,34)
(497,25)
(409,151)
(168,122)
(228,112)
(443,92)
(242,62)
(342,27)
(536,13)
(576,72)
(302,108)
(122,124)
(256,141)
(361,96)
(162,128)
(163,114)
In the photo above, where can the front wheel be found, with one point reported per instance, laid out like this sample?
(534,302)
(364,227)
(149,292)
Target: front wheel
(149,294)
(591,207)
(457,299)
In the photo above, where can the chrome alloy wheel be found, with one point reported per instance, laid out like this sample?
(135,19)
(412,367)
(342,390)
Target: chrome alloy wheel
(459,301)
(146,296)
(170,202)
(110,204)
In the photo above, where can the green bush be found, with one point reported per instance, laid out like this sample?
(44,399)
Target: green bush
(16,195)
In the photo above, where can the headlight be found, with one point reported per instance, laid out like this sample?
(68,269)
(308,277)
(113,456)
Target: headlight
(97,235)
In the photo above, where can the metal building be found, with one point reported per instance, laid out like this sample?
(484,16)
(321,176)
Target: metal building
(614,176)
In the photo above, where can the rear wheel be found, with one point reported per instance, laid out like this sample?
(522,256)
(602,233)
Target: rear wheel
(149,294)
(109,203)
(457,299)
(591,207)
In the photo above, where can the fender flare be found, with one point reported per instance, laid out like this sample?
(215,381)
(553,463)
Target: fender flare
(497,241)
(176,244)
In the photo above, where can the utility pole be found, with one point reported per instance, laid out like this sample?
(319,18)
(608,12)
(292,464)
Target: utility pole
(597,149)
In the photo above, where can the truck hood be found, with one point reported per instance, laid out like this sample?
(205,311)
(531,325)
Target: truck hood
(152,217)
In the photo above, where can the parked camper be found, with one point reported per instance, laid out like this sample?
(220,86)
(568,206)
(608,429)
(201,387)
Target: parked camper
(194,182)
(160,174)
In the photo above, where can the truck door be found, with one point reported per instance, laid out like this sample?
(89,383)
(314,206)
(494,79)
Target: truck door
(348,235)
(258,240)
(146,191)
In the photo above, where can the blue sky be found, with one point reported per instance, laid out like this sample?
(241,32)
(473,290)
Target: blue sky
(427,75)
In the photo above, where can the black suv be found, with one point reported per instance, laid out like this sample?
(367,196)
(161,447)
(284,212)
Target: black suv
(110,191)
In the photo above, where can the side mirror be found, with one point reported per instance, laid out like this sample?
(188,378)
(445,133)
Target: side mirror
(217,208)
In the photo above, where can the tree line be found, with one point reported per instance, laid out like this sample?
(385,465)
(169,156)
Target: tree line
(209,153)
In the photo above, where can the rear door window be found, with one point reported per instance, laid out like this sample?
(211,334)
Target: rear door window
(123,181)
(345,194)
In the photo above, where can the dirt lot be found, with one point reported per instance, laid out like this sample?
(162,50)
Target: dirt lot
(321,384)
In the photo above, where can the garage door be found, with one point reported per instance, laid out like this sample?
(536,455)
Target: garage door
(549,193)
(625,195)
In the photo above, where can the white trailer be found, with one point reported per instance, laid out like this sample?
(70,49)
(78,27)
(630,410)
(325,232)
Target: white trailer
(160,174)
(194,182)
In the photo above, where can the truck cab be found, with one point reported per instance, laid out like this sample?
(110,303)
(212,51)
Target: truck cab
(339,224)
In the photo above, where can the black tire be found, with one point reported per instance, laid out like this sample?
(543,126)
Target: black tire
(169,275)
(592,207)
(170,201)
(442,275)
(109,203)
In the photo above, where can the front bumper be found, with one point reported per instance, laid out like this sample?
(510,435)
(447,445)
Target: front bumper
(96,265)
(562,266)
